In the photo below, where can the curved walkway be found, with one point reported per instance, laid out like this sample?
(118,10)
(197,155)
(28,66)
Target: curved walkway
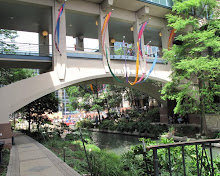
(30,158)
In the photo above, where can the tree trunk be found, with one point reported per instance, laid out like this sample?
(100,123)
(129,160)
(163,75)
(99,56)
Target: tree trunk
(97,94)
(29,120)
(203,129)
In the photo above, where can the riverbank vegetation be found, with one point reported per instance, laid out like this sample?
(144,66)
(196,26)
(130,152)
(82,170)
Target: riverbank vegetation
(105,163)
(5,161)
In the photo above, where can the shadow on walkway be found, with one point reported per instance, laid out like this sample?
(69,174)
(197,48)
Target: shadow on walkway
(30,158)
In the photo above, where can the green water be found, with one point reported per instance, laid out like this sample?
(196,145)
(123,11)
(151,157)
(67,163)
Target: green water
(120,144)
(116,143)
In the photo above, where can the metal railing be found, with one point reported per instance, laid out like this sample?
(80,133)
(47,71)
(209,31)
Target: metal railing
(164,3)
(118,52)
(92,50)
(199,154)
(28,49)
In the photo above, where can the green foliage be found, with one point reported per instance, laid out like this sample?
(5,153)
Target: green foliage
(6,41)
(105,164)
(36,109)
(84,124)
(176,158)
(108,125)
(195,61)
(5,161)
(11,75)
(124,125)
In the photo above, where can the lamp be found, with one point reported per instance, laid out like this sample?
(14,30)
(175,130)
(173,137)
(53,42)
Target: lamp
(112,40)
(96,23)
(45,34)
(132,28)
(160,34)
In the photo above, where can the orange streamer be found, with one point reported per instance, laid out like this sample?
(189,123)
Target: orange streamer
(137,68)
(172,34)
(91,87)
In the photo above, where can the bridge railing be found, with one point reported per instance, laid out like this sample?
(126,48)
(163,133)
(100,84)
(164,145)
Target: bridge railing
(201,157)
(163,3)
(120,52)
(29,49)
(75,49)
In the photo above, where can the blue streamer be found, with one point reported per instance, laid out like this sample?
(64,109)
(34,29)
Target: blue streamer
(151,69)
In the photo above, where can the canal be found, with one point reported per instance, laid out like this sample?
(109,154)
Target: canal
(120,144)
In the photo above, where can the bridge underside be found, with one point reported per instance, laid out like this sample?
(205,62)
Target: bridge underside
(21,93)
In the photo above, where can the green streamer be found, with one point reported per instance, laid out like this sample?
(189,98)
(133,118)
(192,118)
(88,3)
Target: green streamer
(116,78)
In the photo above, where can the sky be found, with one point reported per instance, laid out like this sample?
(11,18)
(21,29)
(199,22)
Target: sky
(31,37)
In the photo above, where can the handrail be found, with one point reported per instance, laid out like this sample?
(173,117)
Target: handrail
(199,159)
(176,144)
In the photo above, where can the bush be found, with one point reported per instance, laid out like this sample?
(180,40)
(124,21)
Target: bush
(105,164)
(153,115)
(107,125)
(176,158)
(84,124)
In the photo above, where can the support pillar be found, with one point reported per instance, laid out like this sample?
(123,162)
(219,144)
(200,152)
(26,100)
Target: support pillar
(59,60)
(6,134)
(43,45)
(165,37)
(163,114)
(102,49)
(136,28)
(141,103)
(79,43)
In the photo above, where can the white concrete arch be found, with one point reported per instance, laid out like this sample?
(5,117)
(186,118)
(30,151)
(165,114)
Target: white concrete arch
(21,93)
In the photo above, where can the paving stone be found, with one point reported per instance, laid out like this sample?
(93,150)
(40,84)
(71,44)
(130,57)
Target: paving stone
(30,158)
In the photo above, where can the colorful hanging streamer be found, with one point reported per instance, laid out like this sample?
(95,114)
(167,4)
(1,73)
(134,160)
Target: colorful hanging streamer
(171,38)
(137,68)
(125,60)
(104,30)
(140,50)
(91,87)
(151,69)
(57,29)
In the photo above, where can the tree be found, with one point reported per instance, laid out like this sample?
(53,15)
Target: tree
(7,46)
(194,58)
(7,41)
(36,109)
(10,75)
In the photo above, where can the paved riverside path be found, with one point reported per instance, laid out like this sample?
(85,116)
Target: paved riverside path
(30,158)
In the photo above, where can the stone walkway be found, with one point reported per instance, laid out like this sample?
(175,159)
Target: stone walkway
(30,158)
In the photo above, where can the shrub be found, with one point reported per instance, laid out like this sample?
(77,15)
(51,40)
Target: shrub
(107,125)
(84,124)
(105,164)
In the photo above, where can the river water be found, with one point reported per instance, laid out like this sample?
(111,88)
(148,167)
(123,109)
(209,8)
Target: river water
(120,144)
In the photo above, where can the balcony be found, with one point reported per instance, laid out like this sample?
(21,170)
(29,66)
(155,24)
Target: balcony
(161,3)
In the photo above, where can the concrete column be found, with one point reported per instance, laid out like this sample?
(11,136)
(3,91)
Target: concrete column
(141,103)
(101,20)
(59,60)
(165,33)
(164,115)
(79,43)
(43,45)
(136,28)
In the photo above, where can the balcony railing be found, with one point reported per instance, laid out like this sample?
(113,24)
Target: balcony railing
(198,153)
(118,53)
(162,3)
(27,49)
(89,50)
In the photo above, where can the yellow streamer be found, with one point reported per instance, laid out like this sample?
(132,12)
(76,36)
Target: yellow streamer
(137,67)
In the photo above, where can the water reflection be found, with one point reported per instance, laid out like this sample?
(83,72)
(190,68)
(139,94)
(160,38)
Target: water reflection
(116,143)
(120,144)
